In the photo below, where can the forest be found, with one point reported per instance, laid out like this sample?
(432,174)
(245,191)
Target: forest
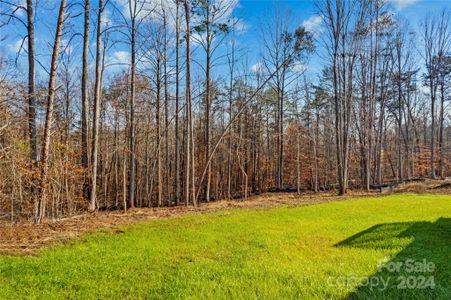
(147,103)
(225,149)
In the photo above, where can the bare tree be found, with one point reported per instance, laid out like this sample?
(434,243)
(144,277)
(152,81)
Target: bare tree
(41,203)
(177,104)
(97,107)
(436,39)
(11,15)
(85,99)
(284,48)
(31,84)
(136,15)
(189,151)
(342,20)
(212,25)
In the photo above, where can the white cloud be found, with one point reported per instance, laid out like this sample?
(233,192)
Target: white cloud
(16,3)
(299,67)
(257,68)
(152,10)
(143,8)
(240,25)
(106,18)
(197,38)
(155,10)
(425,89)
(403,3)
(122,56)
(119,59)
(313,24)
(224,10)
(164,9)
(222,13)
(66,47)
(15,47)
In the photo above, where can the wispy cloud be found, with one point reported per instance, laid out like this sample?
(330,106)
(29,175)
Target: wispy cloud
(425,89)
(299,67)
(156,10)
(13,4)
(257,68)
(119,60)
(66,47)
(107,18)
(403,3)
(313,24)
(15,46)
(240,26)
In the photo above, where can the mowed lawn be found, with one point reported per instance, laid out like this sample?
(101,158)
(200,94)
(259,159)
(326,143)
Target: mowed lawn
(324,251)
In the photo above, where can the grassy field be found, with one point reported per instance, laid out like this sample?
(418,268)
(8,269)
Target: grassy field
(347,249)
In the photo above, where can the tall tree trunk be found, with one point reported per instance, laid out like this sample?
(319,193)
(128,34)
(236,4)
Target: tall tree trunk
(338,132)
(189,160)
(166,117)
(97,106)
(315,152)
(116,157)
(124,179)
(298,163)
(400,105)
(177,95)
(373,74)
(207,115)
(31,85)
(158,114)
(229,153)
(41,203)
(132,141)
(85,101)
(279,132)
(441,129)
(433,98)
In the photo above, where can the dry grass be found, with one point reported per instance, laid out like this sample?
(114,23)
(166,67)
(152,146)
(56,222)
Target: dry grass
(26,238)
(430,186)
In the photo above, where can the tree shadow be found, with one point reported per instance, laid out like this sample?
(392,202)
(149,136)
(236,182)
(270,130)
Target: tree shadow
(421,270)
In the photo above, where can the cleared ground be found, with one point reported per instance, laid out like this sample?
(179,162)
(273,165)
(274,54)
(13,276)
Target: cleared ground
(329,250)
(27,238)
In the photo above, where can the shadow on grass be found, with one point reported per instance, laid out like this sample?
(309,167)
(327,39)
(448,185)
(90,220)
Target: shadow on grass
(421,270)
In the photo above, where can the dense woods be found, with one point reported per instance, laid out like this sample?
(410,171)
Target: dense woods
(144,103)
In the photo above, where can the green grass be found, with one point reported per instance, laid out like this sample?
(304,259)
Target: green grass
(320,251)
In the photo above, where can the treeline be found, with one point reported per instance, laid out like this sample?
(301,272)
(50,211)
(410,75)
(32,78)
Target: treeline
(160,125)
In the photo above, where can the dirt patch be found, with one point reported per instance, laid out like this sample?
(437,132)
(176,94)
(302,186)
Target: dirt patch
(25,238)
(446,185)
(430,186)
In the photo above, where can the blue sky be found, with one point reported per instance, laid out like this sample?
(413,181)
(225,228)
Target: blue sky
(251,13)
